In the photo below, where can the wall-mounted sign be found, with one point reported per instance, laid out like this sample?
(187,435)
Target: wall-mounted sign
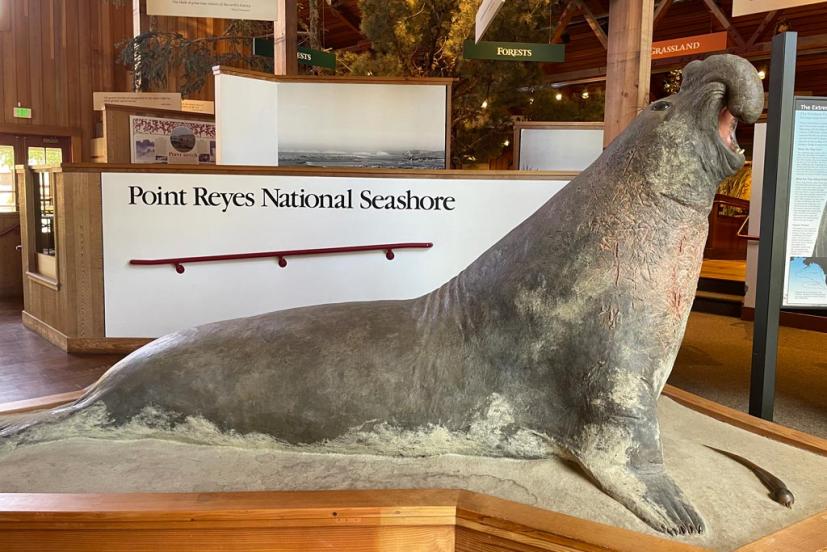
(514,51)
(261,10)
(805,282)
(151,216)
(157,140)
(23,112)
(689,45)
(158,100)
(485,15)
(746,7)
(198,106)
(306,56)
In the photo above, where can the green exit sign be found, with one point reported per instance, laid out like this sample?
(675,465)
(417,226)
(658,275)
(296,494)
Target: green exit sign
(23,112)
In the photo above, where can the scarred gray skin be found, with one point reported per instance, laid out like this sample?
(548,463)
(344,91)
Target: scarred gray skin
(574,318)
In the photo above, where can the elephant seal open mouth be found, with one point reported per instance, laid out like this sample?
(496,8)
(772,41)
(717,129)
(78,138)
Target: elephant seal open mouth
(566,329)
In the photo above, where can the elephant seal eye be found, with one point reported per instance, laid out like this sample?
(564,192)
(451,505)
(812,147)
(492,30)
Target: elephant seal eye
(661,106)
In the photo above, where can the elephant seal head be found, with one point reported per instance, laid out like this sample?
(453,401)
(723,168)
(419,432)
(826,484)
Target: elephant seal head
(685,144)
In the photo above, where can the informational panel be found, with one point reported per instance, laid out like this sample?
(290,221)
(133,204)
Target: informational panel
(806,274)
(746,7)
(331,123)
(559,147)
(160,140)
(198,106)
(361,125)
(152,216)
(158,100)
(262,10)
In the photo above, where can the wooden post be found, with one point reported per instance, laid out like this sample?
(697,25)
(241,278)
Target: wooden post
(285,32)
(140,24)
(628,63)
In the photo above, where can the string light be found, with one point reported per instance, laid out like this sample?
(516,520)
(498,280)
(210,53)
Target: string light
(530,101)
(507,142)
(585,94)
(762,74)
(558,96)
(484,104)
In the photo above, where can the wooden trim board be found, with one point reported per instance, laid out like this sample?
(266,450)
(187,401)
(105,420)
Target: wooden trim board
(248,73)
(771,430)
(40,403)
(319,171)
(799,320)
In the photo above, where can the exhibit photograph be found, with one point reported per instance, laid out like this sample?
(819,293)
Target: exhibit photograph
(413,275)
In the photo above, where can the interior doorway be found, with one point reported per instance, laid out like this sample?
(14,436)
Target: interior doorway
(20,149)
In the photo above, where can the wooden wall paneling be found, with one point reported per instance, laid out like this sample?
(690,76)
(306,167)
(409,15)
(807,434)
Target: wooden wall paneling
(81,255)
(33,64)
(5,17)
(48,53)
(20,33)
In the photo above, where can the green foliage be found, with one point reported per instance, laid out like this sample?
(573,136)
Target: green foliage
(424,38)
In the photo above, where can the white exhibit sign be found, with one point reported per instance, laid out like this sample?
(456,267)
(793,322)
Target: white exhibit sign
(805,282)
(331,123)
(559,147)
(161,140)
(260,10)
(746,7)
(759,142)
(158,100)
(162,216)
(485,15)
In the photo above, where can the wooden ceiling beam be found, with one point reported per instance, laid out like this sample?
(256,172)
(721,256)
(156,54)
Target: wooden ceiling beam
(725,23)
(568,12)
(347,19)
(767,21)
(595,26)
(660,12)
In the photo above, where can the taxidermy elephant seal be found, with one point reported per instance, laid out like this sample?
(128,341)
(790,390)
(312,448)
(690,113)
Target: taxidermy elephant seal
(572,321)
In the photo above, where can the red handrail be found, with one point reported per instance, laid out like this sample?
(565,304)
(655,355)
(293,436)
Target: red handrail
(178,262)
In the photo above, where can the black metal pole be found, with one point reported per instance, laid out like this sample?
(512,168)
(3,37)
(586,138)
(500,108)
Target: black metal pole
(772,245)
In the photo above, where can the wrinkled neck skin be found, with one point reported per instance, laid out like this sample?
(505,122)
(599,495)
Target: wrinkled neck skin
(646,201)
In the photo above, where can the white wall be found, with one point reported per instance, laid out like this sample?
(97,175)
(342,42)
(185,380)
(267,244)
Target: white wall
(245,121)
(148,301)
(754,227)
(559,149)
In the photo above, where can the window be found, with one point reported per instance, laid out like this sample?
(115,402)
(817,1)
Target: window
(45,213)
(8,199)
(45,156)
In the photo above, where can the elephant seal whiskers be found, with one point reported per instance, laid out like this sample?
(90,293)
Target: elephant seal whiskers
(572,321)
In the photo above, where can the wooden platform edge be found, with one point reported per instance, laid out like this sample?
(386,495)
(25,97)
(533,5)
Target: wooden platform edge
(807,535)
(40,403)
(742,420)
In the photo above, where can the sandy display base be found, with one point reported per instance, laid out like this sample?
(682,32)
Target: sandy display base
(732,500)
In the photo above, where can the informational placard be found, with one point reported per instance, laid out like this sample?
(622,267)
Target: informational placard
(198,106)
(746,7)
(690,45)
(158,100)
(261,10)
(485,15)
(159,140)
(805,282)
(514,51)
(554,146)
(152,216)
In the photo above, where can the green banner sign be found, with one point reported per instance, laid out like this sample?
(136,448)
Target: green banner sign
(306,56)
(514,51)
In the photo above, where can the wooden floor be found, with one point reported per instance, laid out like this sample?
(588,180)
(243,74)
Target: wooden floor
(735,271)
(31,367)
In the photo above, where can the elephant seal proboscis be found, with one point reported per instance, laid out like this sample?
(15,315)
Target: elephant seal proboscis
(569,325)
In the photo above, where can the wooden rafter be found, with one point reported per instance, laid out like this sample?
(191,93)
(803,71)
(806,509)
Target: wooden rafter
(725,23)
(767,21)
(595,26)
(347,19)
(660,12)
(568,12)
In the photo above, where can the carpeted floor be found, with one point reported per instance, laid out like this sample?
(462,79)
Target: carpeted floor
(714,362)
